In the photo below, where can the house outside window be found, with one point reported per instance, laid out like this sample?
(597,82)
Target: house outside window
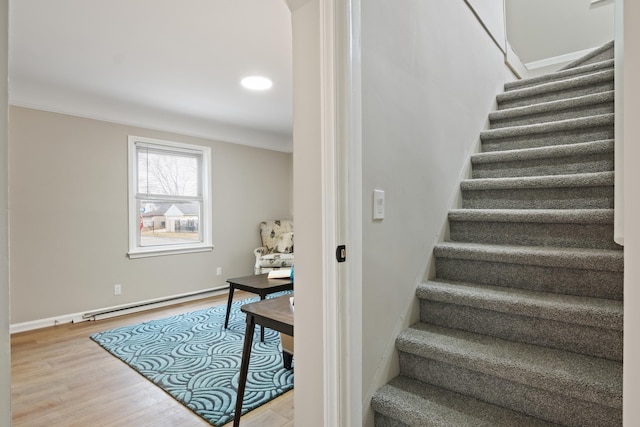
(169,197)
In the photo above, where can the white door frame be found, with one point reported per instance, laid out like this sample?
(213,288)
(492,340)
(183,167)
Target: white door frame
(340,165)
(342,181)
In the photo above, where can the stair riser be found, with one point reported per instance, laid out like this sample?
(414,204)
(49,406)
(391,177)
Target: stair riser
(587,340)
(598,162)
(381,420)
(604,56)
(593,236)
(540,198)
(571,92)
(566,137)
(519,397)
(552,116)
(410,402)
(593,283)
(550,78)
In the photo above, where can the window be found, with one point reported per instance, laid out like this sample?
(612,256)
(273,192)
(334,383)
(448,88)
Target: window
(169,200)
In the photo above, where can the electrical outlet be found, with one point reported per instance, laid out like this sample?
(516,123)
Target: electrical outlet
(219,271)
(117,289)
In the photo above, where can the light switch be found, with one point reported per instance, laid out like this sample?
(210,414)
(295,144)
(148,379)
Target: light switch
(378,204)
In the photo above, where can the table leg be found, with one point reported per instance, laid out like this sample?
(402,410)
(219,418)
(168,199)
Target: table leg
(226,319)
(262,297)
(244,367)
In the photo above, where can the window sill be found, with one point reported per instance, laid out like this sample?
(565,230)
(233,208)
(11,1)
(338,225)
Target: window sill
(144,253)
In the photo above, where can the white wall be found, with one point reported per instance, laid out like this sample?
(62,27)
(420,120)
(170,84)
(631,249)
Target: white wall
(430,73)
(544,29)
(5,347)
(307,207)
(631,105)
(68,228)
(492,15)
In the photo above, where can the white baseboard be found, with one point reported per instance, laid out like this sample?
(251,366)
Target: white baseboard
(15,328)
(558,60)
(118,310)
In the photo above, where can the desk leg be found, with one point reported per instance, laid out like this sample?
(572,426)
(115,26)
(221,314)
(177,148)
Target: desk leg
(262,297)
(226,319)
(244,367)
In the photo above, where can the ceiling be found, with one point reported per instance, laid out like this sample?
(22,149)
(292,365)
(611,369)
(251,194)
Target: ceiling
(176,65)
(171,65)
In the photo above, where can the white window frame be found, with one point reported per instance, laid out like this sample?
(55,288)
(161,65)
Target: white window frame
(137,251)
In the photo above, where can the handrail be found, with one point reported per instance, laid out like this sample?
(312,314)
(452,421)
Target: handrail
(598,3)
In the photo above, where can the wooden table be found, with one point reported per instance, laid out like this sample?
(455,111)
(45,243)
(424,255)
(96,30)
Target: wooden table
(274,313)
(258,284)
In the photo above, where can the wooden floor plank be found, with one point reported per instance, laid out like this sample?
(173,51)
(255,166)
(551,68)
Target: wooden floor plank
(60,377)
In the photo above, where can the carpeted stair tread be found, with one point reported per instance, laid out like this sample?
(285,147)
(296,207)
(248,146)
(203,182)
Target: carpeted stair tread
(582,148)
(530,325)
(577,216)
(588,80)
(418,404)
(549,127)
(586,311)
(582,377)
(553,108)
(592,190)
(577,228)
(572,158)
(560,75)
(544,107)
(596,179)
(606,48)
(563,257)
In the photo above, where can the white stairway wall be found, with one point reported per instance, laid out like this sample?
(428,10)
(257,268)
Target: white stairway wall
(430,73)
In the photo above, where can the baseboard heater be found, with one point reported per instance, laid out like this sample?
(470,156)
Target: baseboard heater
(150,304)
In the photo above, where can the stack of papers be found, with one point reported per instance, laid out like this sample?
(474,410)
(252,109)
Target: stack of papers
(283,273)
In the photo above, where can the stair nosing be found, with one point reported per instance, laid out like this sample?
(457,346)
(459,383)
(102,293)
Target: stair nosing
(588,122)
(398,400)
(595,52)
(544,256)
(561,74)
(556,105)
(572,374)
(579,310)
(601,76)
(552,151)
(543,216)
(588,179)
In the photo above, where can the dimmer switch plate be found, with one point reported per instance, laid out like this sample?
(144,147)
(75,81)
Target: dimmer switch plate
(378,204)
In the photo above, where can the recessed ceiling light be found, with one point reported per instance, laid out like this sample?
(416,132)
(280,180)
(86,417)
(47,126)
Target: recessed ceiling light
(256,83)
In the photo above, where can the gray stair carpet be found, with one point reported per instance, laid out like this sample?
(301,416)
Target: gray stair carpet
(522,324)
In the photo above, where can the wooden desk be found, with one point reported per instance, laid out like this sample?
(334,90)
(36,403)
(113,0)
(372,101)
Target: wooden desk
(274,313)
(258,284)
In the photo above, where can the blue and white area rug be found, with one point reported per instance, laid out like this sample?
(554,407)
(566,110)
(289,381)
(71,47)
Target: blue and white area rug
(194,359)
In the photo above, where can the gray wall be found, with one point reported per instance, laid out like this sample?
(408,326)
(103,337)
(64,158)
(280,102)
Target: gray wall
(430,73)
(5,348)
(68,220)
(631,110)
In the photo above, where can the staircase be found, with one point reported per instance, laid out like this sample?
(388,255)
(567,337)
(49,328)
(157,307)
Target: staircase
(522,325)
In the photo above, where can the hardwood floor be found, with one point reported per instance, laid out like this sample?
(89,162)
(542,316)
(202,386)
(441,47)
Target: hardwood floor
(60,377)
